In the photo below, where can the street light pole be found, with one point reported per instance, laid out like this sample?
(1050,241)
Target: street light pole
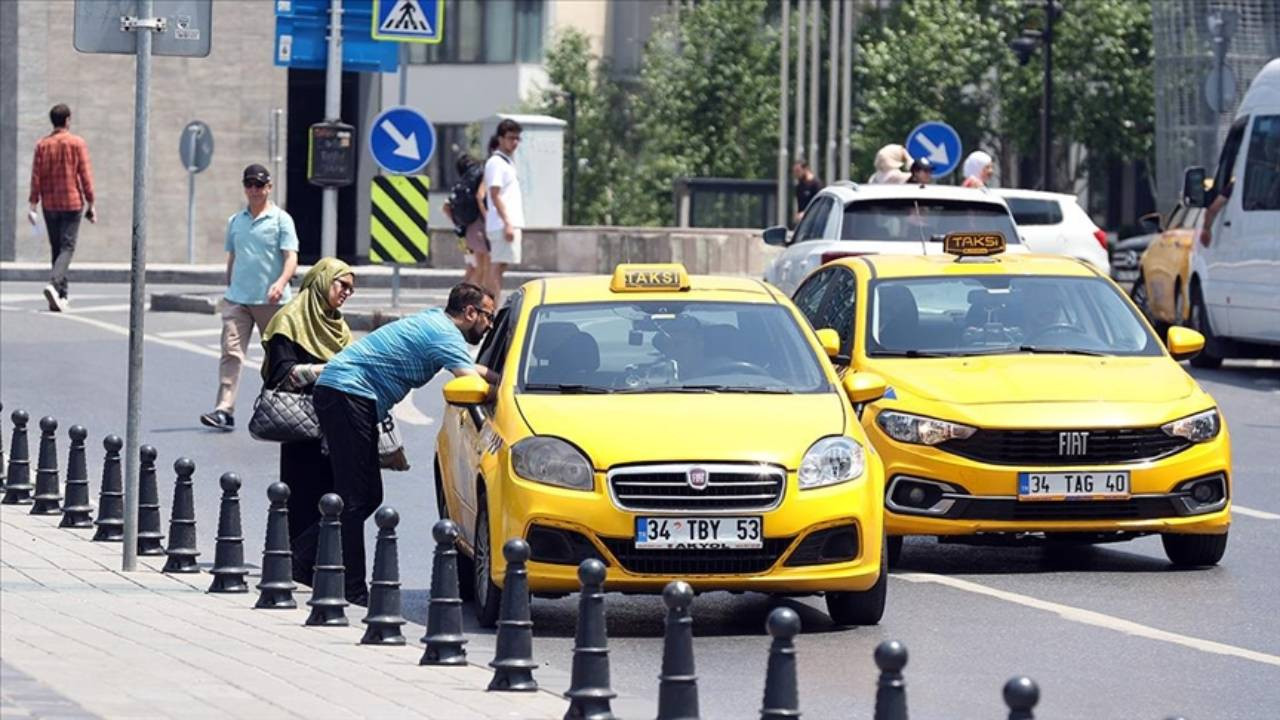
(1046,110)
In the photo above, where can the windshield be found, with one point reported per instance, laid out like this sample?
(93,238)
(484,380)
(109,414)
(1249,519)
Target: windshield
(990,315)
(923,220)
(662,346)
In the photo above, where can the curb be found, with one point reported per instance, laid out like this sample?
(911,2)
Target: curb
(208,304)
(375,276)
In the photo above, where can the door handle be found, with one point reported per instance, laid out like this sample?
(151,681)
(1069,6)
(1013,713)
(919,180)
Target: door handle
(1226,223)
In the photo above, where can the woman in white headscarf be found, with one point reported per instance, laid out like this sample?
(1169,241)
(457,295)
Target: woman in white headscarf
(978,169)
(891,163)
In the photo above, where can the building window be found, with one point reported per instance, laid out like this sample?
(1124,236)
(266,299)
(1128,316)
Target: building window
(486,31)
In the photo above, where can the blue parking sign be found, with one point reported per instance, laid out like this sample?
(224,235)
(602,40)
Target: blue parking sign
(401,140)
(408,20)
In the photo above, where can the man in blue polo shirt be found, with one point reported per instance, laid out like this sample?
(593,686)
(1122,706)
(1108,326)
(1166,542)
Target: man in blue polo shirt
(262,254)
(361,384)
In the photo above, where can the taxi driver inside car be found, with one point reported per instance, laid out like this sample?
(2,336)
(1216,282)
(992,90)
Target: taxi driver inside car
(632,424)
(1027,399)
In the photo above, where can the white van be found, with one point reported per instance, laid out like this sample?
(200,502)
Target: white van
(1235,265)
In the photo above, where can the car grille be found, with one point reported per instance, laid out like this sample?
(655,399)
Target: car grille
(1040,447)
(686,561)
(666,487)
(1137,508)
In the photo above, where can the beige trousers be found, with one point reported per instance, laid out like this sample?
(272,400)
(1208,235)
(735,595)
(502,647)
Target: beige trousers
(238,322)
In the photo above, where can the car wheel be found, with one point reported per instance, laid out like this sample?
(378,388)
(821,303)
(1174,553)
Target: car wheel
(895,550)
(1211,355)
(865,607)
(487,595)
(1179,305)
(1194,550)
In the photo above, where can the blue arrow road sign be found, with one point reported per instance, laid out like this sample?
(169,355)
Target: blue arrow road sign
(401,140)
(937,141)
(408,20)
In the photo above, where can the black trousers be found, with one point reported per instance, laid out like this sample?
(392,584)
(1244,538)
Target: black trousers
(309,476)
(63,227)
(350,428)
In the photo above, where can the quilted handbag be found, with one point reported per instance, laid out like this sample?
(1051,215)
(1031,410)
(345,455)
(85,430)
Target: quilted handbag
(280,416)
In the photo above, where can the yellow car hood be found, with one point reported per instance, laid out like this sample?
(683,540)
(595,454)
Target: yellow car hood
(1025,378)
(615,429)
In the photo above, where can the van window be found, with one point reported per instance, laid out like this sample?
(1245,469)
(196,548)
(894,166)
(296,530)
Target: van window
(1225,180)
(1031,211)
(1262,165)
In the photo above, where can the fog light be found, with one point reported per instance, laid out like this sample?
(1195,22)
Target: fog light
(1203,492)
(916,495)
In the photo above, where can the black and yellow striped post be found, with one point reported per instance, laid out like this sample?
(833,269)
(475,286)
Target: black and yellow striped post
(398,228)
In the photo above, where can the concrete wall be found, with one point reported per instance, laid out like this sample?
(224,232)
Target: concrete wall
(8,127)
(233,90)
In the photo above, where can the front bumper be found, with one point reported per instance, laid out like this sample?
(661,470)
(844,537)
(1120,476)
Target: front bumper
(564,527)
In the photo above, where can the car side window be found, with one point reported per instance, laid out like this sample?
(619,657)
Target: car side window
(1262,165)
(837,309)
(493,351)
(1225,179)
(809,296)
(814,220)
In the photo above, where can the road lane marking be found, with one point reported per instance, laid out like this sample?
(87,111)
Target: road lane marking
(202,332)
(407,412)
(1254,513)
(98,308)
(1096,619)
(178,344)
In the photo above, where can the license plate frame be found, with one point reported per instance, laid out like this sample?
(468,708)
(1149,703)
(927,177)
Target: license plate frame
(1086,485)
(699,532)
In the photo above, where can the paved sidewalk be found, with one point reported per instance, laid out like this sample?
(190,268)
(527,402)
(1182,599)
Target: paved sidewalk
(80,639)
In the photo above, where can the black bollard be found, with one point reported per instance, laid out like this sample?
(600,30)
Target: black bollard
(275,591)
(77,512)
(383,617)
(17,488)
(150,539)
(781,692)
(589,693)
(1021,695)
(3,474)
(444,638)
(182,522)
(891,693)
(513,661)
(110,520)
(229,570)
(48,497)
(328,584)
(678,683)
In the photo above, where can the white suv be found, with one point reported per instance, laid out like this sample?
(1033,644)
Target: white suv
(1055,224)
(881,219)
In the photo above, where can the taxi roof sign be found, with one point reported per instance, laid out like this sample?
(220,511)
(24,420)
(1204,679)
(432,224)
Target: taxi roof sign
(636,277)
(973,244)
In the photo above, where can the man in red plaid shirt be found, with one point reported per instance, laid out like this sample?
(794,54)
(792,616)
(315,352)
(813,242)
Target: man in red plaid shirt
(61,181)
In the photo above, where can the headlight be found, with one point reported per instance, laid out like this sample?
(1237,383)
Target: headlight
(830,461)
(1200,427)
(921,430)
(552,461)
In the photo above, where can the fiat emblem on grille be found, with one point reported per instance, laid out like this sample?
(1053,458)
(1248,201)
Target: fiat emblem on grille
(697,478)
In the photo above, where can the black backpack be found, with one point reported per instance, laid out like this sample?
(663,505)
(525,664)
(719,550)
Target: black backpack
(462,197)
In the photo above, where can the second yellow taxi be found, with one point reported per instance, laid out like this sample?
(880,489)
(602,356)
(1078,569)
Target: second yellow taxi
(673,427)
(1027,399)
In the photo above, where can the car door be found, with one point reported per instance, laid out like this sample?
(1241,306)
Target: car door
(1255,306)
(1040,222)
(1159,267)
(1223,253)
(827,300)
(815,221)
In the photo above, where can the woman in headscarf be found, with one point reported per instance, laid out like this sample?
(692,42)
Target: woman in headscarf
(978,169)
(891,163)
(299,340)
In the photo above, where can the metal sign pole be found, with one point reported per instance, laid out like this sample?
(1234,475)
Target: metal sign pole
(332,111)
(191,201)
(143,25)
(404,92)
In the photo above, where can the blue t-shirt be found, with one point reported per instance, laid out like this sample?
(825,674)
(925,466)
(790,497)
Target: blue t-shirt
(387,363)
(259,245)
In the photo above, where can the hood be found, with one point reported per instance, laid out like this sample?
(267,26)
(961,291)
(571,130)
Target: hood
(1012,379)
(614,429)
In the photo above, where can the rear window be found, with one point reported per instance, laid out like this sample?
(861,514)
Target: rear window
(1030,211)
(923,220)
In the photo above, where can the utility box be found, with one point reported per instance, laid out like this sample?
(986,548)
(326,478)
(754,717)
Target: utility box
(539,164)
(331,154)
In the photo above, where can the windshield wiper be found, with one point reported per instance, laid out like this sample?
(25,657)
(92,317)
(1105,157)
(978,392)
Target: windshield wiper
(566,388)
(911,353)
(711,387)
(1055,350)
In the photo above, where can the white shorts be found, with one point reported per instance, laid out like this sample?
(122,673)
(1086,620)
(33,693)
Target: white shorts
(501,251)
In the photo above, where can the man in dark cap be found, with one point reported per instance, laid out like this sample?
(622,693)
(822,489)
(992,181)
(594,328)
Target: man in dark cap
(262,254)
(921,172)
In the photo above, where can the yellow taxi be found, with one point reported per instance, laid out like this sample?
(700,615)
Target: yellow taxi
(673,427)
(1027,399)
(1161,290)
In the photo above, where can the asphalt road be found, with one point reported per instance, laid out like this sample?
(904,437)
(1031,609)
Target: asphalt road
(1109,632)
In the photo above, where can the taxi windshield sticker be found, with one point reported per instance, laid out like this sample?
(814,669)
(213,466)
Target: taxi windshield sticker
(967,244)
(651,278)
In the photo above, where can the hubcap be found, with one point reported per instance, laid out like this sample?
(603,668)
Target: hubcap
(481,579)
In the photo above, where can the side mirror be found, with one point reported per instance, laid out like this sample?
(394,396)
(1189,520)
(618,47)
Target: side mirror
(466,390)
(1152,222)
(830,340)
(776,235)
(1193,193)
(1183,343)
(864,387)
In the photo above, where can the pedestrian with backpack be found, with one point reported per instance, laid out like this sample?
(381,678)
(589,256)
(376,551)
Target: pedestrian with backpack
(464,211)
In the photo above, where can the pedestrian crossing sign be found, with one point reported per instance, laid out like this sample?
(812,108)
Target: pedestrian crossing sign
(408,20)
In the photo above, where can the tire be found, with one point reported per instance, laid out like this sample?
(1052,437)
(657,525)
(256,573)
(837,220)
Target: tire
(1194,550)
(865,607)
(1211,355)
(1138,294)
(487,595)
(894,553)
